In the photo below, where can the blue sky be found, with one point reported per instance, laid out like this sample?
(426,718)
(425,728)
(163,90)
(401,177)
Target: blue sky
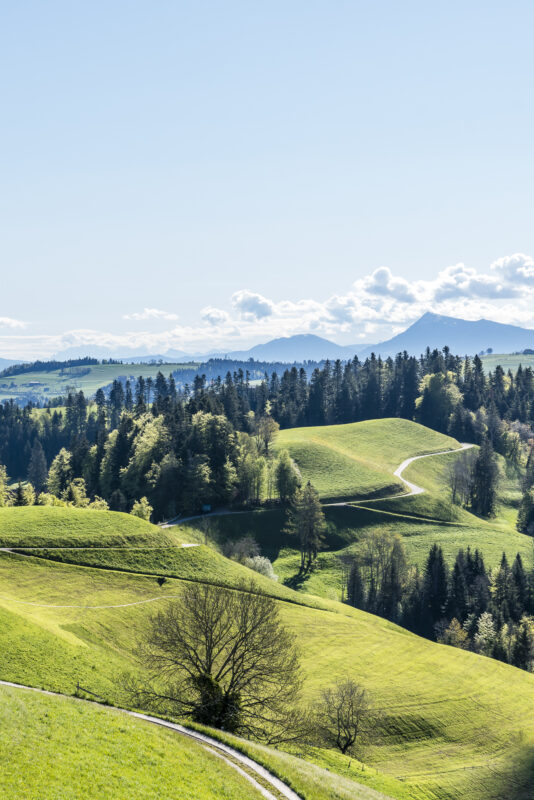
(197,175)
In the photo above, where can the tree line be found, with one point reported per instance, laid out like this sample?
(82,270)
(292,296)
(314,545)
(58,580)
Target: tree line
(210,443)
(487,611)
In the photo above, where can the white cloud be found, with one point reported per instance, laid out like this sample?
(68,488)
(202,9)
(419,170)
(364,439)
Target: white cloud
(215,316)
(383,283)
(151,313)
(251,305)
(7,322)
(518,269)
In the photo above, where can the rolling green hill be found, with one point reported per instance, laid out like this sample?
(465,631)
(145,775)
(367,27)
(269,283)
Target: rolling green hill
(358,460)
(453,724)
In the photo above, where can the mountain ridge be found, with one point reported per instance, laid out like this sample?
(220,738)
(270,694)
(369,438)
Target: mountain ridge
(463,337)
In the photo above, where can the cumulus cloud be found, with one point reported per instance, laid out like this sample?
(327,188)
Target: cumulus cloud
(517,269)
(463,282)
(252,305)
(382,282)
(214,316)
(151,313)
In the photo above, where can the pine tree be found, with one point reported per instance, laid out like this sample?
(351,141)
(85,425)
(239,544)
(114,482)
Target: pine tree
(306,521)
(435,588)
(522,648)
(38,470)
(485,475)
(355,587)
(525,516)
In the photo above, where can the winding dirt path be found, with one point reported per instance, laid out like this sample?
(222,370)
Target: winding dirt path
(241,763)
(412,487)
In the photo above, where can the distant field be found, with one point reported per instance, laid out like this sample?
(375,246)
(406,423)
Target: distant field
(358,460)
(57,382)
(507,361)
(55,748)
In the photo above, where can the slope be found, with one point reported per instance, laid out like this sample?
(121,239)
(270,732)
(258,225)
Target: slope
(449,719)
(357,460)
(51,743)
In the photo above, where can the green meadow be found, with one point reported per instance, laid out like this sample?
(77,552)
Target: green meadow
(55,747)
(56,383)
(358,460)
(507,361)
(449,719)
(451,724)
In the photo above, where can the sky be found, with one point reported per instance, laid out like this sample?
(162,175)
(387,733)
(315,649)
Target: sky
(209,175)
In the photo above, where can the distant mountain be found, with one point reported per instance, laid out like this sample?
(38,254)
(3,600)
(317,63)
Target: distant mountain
(301,347)
(462,336)
(431,330)
(135,356)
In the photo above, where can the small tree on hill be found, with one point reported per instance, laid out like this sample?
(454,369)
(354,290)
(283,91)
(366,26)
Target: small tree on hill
(4,481)
(525,517)
(342,715)
(142,509)
(306,521)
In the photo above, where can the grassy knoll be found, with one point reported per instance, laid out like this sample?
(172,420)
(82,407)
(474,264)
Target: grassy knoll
(358,460)
(454,724)
(34,526)
(55,747)
(54,383)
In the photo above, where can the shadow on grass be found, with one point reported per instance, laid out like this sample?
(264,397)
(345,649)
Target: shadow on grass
(515,782)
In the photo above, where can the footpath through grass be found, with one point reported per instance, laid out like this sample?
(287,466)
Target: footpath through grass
(54,748)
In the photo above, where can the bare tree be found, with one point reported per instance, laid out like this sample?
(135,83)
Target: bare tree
(223,658)
(342,715)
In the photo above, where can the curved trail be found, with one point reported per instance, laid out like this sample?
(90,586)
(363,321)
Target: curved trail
(413,487)
(228,754)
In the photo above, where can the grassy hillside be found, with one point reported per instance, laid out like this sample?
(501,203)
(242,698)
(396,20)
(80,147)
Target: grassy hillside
(34,526)
(454,724)
(358,460)
(54,383)
(56,748)
(507,361)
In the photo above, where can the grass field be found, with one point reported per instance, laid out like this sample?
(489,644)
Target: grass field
(56,383)
(70,527)
(358,460)
(55,747)
(453,724)
(507,361)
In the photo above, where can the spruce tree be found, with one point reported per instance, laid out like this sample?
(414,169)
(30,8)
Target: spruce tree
(522,649)
(435,589)
(306,521)
(38,470)
(485,475)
